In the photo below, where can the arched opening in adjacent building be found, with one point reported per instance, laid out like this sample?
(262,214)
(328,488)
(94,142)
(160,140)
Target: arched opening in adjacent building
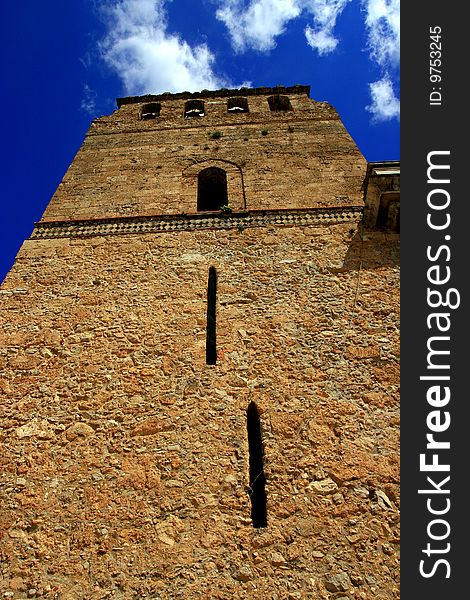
(257,478)
(388,216)
(279,103)
(212,189)
(150,111)
(194,108)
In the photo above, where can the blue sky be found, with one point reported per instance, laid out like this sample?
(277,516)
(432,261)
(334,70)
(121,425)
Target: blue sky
(65,63)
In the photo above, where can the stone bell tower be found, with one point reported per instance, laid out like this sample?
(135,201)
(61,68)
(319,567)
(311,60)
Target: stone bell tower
(200,355)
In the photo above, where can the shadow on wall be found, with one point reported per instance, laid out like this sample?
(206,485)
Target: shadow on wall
(372,249)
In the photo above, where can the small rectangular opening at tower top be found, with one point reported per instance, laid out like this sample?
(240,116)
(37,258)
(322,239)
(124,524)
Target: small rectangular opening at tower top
(151,111)
(279,103)
(194,108)
(237,105)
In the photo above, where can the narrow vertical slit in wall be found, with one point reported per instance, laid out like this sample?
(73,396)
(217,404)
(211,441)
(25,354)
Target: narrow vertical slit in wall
(257,478)
(211,334)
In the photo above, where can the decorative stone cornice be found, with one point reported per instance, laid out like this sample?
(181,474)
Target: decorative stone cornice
(196,222)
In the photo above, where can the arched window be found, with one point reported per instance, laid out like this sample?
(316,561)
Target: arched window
(279,103)
(194,108)
(237,105)
(212,189)
(150,111)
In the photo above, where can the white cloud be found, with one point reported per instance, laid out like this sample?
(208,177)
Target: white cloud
(257,25)
(88,103)
(320,37)
(320,40)
(385,105)
(147,58)
(383,28)
(383,25)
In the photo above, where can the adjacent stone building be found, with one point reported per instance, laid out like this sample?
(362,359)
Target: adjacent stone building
(200,361)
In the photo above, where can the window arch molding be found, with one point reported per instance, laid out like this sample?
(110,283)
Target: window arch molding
(235,184)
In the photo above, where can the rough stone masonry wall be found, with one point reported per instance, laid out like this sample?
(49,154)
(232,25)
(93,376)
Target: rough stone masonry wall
(124,456)
(129,166)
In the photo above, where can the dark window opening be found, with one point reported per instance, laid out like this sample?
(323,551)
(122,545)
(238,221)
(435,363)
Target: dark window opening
(212,189)
(388,216)
(257,478)
(151,111)
(279,103)
(211,338)
(237,105)
(194,108)
(397,220)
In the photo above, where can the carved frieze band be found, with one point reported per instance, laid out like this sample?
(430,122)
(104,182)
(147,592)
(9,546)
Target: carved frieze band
(182,222)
